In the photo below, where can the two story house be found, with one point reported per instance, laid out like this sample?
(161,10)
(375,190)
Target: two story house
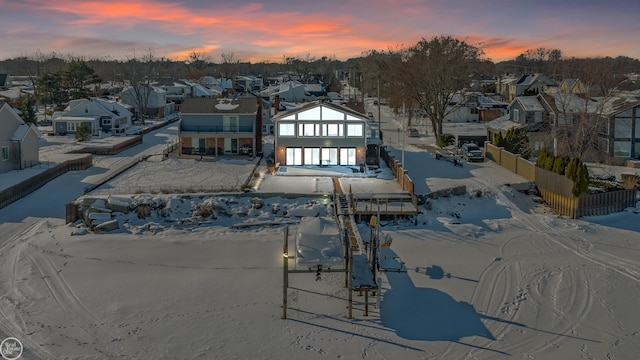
(223,126)
(18,141)
(100,115)
(619,129)
(320,133)
(157,102)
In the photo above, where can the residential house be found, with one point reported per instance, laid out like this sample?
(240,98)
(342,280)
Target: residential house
(223,86)
(290,91)
(619,129)
(533,84)
(18,141)
(181,89)
(157,103)
(100,115)
(529,111)
(501,125)
(320,133)
(474,107)
(5,81)
(210,126)
(248,83)
(572,86)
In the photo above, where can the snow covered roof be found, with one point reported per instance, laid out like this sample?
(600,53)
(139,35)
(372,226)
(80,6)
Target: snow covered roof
(222,105)
(20,132)
(530,103)
(318,242)
(504,123)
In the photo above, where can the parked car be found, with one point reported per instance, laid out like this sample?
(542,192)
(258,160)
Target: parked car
(375,102)
(413,132)
(370,115)
(471,152)
(245,150)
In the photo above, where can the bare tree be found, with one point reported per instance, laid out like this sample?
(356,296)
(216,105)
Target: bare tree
(432,71)
(229,66)
(140,74)
(197,64)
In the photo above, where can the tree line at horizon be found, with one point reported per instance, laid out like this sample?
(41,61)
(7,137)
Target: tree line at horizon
(420,78)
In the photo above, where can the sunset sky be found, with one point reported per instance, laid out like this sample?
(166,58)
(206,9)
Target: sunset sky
(268,31)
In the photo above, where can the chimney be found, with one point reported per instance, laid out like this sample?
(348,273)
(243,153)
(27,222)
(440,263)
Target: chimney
(276,103)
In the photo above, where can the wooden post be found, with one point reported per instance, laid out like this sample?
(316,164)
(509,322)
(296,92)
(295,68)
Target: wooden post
(350,274)
(366,302)
(285,279)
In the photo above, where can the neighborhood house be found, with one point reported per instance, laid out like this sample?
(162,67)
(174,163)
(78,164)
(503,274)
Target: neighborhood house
(320,133)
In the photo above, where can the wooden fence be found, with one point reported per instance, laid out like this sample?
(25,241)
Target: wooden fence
(556,189)
(402,176)
(24,188)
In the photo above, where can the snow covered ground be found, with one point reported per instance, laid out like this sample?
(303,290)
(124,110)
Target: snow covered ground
(490,274)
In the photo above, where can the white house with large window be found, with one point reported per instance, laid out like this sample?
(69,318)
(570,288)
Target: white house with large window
(320,133)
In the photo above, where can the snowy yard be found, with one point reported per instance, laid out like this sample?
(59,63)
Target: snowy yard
(490,274)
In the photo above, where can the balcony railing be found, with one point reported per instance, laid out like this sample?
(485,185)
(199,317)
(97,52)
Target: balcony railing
(216,129)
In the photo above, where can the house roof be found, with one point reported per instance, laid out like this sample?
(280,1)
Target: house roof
(613,105)
(220,106)
(22,131)
(568,103)
(332,110)
(504,124)
(529,103)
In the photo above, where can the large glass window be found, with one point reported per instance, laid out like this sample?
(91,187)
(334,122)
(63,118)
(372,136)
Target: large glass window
(622,128)
(354,130)
(621,148)
(312,156)
(294,156)
(286,129)
(347,156)
(329,156)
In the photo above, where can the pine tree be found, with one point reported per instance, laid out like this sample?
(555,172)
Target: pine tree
(581,184)
(83,133)
(498,140)
(542,158)
(549,161)
(572,169)
(560,164)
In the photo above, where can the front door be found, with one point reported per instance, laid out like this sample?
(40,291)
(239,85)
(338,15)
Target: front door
(230,146)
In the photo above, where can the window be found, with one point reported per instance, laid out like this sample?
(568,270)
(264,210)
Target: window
(622,128)
(294,156)
(516,115)
(621,148)
(308,129)
(604,126)
(332,130)
(286,129)
(5,153)
(329,156)
(312,156)
(603,145)
(354,130)
(347,156)
(230,123)
(71,126)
